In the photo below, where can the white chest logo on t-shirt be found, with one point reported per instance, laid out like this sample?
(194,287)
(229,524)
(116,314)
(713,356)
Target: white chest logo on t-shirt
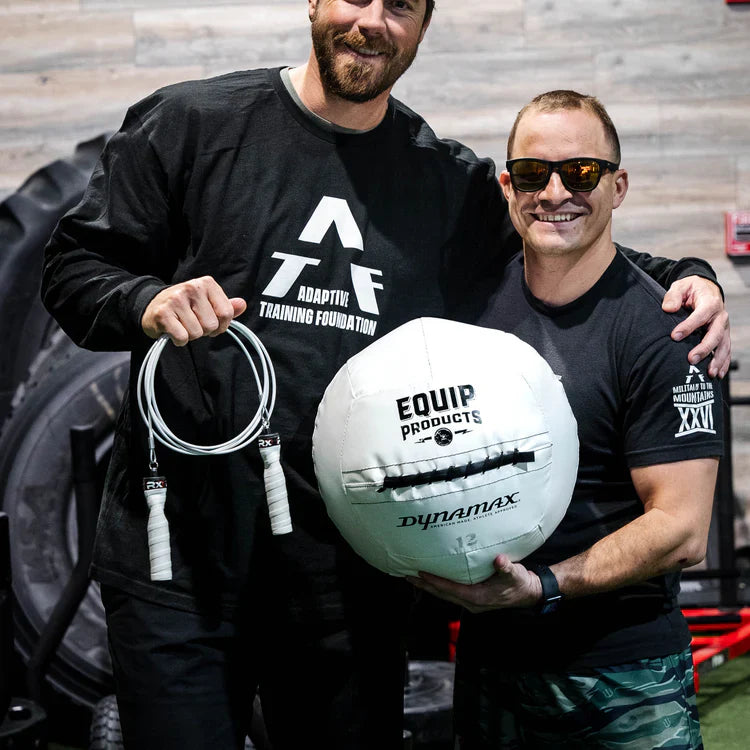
(329,211)
(694,401)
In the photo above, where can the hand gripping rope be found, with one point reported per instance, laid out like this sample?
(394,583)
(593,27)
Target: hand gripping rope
(269,444)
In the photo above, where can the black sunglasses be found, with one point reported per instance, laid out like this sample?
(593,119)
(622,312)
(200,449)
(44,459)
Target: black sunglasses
(580,175)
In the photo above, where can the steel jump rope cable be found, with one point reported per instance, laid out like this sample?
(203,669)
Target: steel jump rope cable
(269,444)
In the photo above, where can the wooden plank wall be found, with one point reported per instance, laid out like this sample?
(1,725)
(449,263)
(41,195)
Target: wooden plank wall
(674,74)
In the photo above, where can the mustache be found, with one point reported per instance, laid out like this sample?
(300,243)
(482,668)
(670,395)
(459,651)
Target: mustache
(356,40)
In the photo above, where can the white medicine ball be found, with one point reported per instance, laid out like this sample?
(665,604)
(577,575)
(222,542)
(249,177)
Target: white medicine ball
(443,444)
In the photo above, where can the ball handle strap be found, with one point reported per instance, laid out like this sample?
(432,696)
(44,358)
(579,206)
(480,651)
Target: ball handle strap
(159,550)
(456,472)
(269,445)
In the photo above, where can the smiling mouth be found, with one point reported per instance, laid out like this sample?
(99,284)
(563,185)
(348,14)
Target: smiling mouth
(365,51)
(556,218)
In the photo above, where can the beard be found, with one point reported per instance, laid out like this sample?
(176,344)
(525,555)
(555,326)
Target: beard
(352,80)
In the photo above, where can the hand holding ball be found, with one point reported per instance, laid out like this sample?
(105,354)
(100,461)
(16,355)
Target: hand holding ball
(441,445)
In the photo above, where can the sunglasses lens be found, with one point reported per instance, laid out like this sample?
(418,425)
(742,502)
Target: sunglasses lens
(580,174)
(529,175)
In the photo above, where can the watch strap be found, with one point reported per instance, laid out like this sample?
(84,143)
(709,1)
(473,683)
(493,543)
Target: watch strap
(551,595)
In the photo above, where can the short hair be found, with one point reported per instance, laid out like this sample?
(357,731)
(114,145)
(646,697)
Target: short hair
(562,99)
(428,12)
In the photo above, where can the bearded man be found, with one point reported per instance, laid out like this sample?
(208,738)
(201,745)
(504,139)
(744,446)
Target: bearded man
(322,213)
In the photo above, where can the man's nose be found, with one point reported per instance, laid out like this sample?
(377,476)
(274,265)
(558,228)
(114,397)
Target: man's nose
(371,19)
(554,190)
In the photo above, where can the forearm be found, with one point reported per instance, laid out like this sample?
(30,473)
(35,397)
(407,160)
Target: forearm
(651,545)
(672,532)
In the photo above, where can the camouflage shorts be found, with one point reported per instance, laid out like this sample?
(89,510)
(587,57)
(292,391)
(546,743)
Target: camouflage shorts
(642,705)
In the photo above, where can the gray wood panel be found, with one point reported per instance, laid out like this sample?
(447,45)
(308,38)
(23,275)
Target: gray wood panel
(69,39)
(239,7)
(707,70)
(216,37)
(742,199)
(706,126)
(495,78)
(623,24)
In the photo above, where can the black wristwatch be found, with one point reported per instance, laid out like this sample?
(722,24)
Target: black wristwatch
(551,596)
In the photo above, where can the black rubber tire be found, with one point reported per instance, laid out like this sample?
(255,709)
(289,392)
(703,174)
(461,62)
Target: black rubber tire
(27,219)
(105,733)
(68,386)
(428,703)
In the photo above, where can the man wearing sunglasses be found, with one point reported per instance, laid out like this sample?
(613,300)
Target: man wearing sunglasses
(583,644)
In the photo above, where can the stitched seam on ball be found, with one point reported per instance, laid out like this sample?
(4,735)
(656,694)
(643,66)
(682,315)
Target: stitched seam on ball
(365,485)
(453,455)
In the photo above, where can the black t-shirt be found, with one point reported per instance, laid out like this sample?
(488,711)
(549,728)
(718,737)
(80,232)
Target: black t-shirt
(333,239)
(638,402)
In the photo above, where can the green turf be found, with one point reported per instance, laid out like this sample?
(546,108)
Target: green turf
(724,706)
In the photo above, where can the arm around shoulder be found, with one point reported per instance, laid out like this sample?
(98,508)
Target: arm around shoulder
(692,283)
(666,271)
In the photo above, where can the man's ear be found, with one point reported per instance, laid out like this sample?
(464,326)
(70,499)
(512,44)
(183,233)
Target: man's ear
(505,184)
(620,187)
(425,26)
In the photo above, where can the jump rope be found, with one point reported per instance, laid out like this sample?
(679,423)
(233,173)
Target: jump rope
(269,445)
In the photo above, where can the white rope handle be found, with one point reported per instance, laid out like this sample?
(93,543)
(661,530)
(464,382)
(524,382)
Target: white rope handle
(273,476)
(159,549)
(155,488)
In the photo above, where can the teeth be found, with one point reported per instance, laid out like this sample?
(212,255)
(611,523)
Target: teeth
(556,217)
(366,51)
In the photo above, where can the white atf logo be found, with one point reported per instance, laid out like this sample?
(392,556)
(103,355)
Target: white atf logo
(329,211)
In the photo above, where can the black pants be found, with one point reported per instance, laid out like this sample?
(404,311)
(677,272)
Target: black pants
(330,677)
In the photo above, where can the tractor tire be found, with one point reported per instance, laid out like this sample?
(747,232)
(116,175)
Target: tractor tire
(67,387)
(27,219)
(105,733)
